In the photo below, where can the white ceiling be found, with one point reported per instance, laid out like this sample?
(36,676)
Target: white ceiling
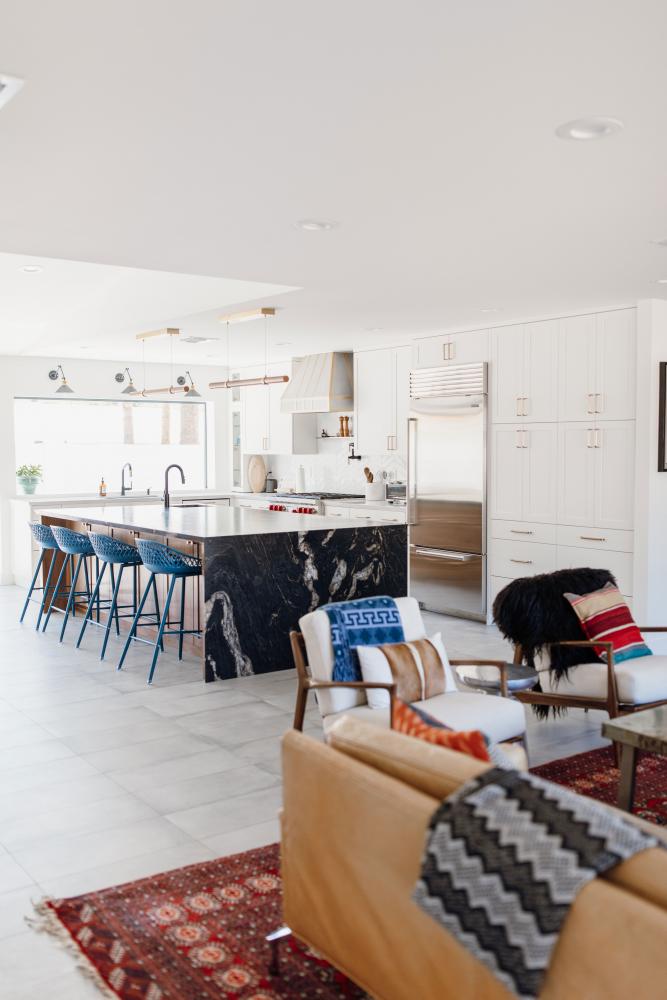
(188,138)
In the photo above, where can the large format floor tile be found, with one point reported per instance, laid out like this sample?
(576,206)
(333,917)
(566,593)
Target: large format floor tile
(105,780)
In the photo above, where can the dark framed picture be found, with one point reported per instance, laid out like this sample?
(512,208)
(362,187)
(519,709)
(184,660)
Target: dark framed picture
(662,415)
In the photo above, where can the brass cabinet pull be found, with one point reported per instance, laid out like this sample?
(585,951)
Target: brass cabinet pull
(589,439)
(592,538)
(598,438)
(518,406)
(598,395)
(518,439)
(523,562)
(524,406)
(525,439)
(518,531)
(591,405)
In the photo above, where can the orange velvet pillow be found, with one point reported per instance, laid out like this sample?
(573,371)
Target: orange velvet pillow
(408,720)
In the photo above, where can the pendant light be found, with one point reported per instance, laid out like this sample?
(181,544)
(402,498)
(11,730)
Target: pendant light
(234,383)
(172,389)
(58,373)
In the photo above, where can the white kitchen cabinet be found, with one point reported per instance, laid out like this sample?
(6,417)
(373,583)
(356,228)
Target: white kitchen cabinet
(525,470)
(524,373)
(596,479)
(597,367)
(451,348)
(381,400)
(268,431)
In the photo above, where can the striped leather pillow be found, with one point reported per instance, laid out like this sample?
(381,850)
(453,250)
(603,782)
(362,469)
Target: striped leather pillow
(413,722)
(604,615)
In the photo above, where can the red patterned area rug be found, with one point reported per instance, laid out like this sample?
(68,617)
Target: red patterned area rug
(195,933)
(595,774)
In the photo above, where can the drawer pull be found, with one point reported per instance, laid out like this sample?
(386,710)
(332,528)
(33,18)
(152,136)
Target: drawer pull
(518,531)
(592,538)
(524,562)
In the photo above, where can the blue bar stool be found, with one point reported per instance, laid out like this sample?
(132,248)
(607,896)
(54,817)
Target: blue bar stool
(112,552)
(162,560)
(72,543)
(46,540)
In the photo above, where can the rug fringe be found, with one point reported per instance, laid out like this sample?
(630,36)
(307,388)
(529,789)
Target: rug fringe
(47,921)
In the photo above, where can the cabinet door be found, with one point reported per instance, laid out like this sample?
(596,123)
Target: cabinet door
(540,389)
(402,362)
(507,466)
(540,481)
(576,463)
(615,365)
(455,348)
(507,374)
(374,395)
(576,368)
(615,481)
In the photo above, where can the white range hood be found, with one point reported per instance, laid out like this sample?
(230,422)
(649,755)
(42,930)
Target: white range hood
(320,383)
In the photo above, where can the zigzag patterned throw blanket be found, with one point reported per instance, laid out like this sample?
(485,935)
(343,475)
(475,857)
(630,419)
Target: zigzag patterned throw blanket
(370,621)
(505,857)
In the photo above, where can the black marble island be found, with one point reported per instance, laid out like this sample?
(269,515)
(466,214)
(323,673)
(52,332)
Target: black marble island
(262,570)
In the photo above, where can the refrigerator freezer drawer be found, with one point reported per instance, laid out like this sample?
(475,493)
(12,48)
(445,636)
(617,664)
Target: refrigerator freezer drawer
(449,582)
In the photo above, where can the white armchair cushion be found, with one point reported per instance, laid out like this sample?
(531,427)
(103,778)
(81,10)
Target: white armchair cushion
(316,631)
(638,681)
(498,718)
(375,667)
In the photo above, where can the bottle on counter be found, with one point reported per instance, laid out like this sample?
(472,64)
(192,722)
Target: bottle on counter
(300,480)
(103,487)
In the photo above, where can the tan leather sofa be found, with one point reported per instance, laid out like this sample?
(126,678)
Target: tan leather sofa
(353,826)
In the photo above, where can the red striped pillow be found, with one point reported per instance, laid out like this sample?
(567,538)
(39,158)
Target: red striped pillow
(413,722)
(605,615)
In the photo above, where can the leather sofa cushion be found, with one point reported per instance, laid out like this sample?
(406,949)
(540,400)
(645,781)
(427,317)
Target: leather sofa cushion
(316,631)
(638,681)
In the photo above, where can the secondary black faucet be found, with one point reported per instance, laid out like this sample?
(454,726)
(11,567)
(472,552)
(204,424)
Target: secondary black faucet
(123,487)
(166,482)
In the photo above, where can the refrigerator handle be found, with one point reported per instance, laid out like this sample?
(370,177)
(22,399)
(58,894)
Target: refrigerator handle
(412,471)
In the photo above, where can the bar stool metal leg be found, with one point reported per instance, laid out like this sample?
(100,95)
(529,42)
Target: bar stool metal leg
(72,591)
(113,610)
(54,595)
(32,584)
(47,586)
(94,598)
(163,624)
(133,627)
(182,625)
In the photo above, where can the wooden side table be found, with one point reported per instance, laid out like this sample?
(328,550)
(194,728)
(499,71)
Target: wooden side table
(645,730)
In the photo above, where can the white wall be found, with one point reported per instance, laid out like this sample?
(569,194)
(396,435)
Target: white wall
(95,380)
(650,590)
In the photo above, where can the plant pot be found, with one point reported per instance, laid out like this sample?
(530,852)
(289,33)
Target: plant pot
(29,483)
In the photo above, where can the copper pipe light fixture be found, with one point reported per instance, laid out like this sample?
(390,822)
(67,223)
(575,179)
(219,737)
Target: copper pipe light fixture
(58,374)
(181,385)
(266,379)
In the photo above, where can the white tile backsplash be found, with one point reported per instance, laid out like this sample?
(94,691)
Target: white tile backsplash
(330,471)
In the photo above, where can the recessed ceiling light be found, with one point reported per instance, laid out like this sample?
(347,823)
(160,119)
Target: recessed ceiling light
(661,281)
(283,343)
(595,127)
(315,225)
(373,329)
(32,268)
(9,87)
(490,309)
(197,340)
(660,243)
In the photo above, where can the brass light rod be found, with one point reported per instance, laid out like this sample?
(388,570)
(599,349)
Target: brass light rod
(234,383)
(248,314)
(171,389)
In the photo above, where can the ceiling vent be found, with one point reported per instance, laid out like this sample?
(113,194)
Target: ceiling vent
(9,87)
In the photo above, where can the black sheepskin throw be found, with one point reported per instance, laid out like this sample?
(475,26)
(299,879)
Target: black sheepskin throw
(532,612)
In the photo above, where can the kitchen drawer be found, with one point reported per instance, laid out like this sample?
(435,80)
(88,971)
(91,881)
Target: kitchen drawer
(596,538)
(390,516)
(330,511)
(513,559)
(618,563)
(524,531)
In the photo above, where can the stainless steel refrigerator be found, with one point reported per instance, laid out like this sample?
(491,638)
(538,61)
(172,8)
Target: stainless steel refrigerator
(446,494)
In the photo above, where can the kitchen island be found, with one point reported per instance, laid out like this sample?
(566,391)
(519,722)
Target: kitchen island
(261,571)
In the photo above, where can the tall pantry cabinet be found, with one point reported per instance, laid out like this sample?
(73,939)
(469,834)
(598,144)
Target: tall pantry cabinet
(562,447)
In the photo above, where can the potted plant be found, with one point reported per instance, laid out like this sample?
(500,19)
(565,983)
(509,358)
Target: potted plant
(29,476)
